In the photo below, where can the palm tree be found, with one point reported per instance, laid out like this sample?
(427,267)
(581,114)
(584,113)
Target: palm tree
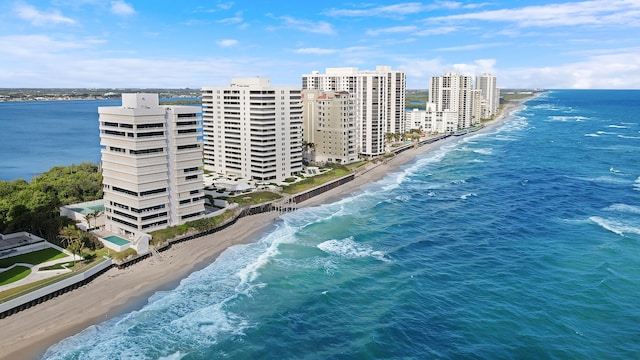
(76,248)
(68,234)
(93,215)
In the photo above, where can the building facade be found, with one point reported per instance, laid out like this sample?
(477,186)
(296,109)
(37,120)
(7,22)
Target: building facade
(253,130)
(453,92)
(487,84)
(432,121)
(379,98)
(151,165)
(329,127)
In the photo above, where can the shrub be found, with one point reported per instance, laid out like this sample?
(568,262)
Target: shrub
(124,255)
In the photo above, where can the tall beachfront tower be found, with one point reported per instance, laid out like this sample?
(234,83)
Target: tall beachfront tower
(453,92)
(379,98)
(487,83)
(329,127)
(253,130)
(151,165)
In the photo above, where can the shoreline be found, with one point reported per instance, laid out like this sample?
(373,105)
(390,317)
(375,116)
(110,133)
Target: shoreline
(29,333)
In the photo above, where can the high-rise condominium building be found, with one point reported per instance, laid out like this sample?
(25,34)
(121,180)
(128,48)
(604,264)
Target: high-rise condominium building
(329,127)
(253,130)
(379,99)
(487,83)
(453,92)
(151,165)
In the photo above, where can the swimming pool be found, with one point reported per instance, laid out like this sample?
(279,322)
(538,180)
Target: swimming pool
(116,240)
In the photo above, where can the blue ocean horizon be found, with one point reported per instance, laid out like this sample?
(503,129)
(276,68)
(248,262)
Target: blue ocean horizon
(522,242)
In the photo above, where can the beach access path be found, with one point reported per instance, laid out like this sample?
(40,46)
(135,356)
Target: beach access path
(28,333)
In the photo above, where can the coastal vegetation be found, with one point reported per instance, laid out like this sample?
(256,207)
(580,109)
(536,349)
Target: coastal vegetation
(160,237)
(337,171)
(34,206)
(416,99)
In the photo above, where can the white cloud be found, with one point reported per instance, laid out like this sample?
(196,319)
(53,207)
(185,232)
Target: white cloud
(399,10)
(603,69)
(227,42)
(318,27)
(315,51)
(233,20)
(615,70)
(38,46)
(391,30)
(596,12)
(469,47)
(437,31)
(121,8)
(39,18)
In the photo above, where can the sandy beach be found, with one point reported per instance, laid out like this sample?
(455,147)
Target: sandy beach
(27,334)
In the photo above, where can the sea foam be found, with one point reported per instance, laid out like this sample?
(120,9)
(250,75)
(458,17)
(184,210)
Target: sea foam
(348,248)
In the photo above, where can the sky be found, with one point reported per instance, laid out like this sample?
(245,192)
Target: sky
(190,44)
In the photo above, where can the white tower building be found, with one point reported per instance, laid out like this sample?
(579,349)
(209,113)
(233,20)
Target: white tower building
(151,165)
(379,99)
(452,92)
(253,130)
(487,83)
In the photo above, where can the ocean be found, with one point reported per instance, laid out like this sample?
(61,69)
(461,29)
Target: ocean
(523,242)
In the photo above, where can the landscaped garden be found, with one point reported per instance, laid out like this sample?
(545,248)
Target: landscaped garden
(33,258)
(337,171)
(14,274)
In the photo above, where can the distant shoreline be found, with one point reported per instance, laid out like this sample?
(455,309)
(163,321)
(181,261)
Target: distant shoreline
(27,334)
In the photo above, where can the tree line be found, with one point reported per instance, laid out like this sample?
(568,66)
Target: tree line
(34,206)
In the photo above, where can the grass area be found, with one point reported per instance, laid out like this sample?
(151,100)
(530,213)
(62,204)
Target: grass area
(14,274)
(356,165)
(69,265)
(33,258)
(311,182)
(23,289)
(159,237)
(256,197)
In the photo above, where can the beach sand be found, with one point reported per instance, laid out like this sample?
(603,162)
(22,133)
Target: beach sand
(27,334)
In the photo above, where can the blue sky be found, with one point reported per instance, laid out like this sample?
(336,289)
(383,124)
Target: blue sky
(177,44)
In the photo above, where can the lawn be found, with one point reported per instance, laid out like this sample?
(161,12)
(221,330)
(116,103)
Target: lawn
(256,197)
(14,274)
(314,181)
(33,258)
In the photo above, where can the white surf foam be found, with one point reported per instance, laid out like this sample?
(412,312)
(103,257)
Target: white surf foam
(625,208)
(350,249)
(615,226)
(618,127)
(483,151)
(465,196)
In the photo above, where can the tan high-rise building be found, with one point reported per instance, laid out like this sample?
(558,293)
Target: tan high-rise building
(379,99)
(329,127)
(151,165)
(253,130)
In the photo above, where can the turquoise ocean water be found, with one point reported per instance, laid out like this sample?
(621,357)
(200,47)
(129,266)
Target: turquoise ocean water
(519,243)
